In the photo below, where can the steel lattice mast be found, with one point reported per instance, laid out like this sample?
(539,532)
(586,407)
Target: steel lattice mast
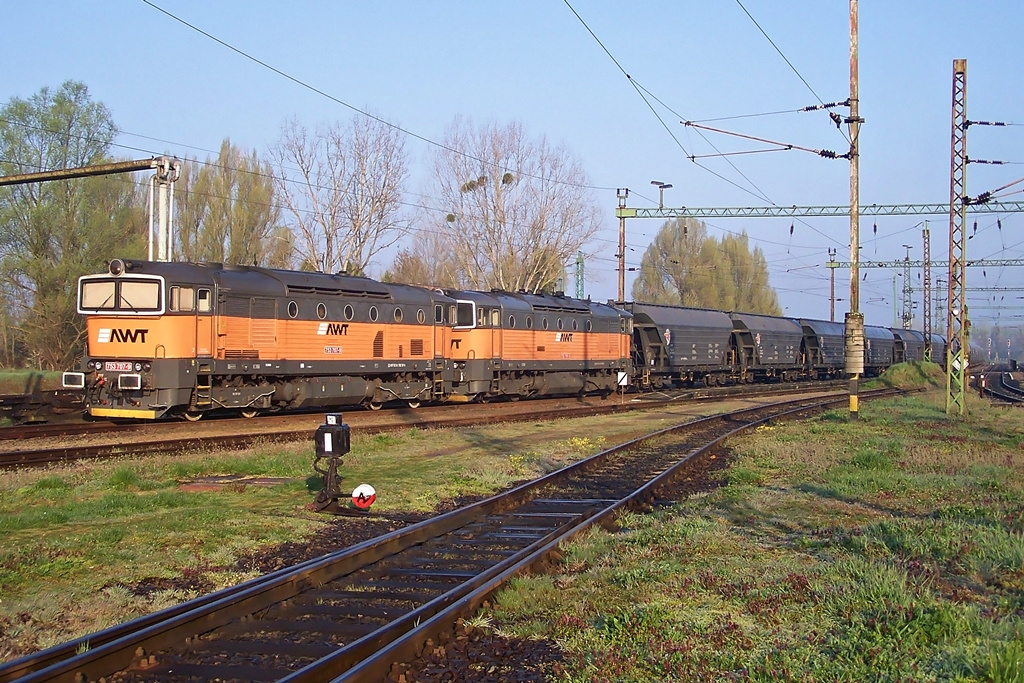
(926,301)
(956,308)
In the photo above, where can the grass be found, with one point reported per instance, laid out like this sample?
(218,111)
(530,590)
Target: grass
(26,381)
(76,540)
(887,549)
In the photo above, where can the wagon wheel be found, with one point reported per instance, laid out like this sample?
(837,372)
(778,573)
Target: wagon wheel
(249,412)
(413,404)
(374,405)
(192,415)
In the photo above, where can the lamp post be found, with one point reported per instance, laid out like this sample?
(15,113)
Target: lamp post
(661,192)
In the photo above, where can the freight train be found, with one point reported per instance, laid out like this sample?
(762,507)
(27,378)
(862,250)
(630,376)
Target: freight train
(188,339)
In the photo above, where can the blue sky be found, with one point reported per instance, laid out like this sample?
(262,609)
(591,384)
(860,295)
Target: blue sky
(420,64)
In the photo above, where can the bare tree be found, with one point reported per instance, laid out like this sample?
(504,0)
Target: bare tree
(425,262)
(516,209)
(227,211)
(342,186)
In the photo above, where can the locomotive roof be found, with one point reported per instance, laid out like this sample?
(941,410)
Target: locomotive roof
(269,281)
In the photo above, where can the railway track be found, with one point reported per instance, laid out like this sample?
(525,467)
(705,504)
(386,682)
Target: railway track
(352,614)
(164,437)
(1004,386)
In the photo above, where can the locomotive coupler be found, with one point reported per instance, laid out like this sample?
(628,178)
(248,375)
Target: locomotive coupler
(333,440)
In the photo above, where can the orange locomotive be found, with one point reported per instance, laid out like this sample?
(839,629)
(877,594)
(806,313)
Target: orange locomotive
(518,345)
(169,339)
(185,339)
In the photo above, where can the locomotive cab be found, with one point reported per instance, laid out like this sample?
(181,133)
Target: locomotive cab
(140,326)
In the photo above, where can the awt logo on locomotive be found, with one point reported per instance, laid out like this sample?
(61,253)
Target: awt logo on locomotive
(117,335)
(333,329)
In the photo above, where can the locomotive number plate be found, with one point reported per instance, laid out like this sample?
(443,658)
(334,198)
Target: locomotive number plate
(118,366)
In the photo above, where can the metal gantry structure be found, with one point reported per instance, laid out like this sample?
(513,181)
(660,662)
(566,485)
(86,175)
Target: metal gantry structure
(830,211)
(161,193)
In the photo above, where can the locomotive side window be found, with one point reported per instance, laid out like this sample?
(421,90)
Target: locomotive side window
(575,324)
(529,322)
(205,301)
(622,324)
(589,325)
(464,314)
(420,316)
(183,299)
(373,313)
(512,321)
(438,314)
(495,317)
(558,323)
(544,322)
(293,309)
(481,317)
(399,315)
(321,310)
(349,312)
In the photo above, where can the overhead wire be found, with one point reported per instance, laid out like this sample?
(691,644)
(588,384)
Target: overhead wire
(643,92)
(352,107)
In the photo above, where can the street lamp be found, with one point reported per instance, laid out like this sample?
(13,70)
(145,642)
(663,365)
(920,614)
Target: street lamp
(661,192)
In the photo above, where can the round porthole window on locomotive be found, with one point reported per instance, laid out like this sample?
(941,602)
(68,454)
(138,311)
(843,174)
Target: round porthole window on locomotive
(511,321)
(293,309)
(575,324)
(558,323)
(398,315)
(373,313)
(529,322)
(420,316)
(321,310)
(349,312)
(544,323)
(589,326)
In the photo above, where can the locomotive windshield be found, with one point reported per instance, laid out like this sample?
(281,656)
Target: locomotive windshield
(120,295)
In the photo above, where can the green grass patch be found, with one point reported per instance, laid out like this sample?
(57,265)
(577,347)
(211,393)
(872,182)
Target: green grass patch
(27,381)
(75,540)
(891,548)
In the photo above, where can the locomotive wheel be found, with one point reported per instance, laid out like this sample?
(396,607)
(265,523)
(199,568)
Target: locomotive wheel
(375,406)
(413,404)
(192,415)
(250,413)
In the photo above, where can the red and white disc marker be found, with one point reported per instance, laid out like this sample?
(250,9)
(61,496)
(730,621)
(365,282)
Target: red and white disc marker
(363,496)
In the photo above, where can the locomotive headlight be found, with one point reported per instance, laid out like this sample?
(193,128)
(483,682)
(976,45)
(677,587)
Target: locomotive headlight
(147,366)
(96,365)
(138,367)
